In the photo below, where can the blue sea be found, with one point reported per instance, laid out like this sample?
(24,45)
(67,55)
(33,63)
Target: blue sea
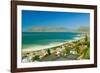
(31,39)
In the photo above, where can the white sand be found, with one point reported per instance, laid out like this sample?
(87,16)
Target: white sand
(42,47)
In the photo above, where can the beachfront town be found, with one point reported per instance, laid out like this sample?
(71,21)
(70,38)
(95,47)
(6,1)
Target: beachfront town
(74,50)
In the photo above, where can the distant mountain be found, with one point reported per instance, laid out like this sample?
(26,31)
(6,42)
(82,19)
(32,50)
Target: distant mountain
(58,29)
(83,29)
(47,29)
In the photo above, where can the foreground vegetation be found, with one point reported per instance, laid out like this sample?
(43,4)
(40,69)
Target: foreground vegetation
(75,50)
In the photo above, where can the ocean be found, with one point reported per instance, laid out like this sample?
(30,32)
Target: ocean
(35,40)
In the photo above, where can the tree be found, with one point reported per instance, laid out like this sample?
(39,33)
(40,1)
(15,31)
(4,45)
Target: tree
(48,51)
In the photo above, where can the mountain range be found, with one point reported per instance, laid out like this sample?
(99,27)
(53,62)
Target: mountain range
(58,29)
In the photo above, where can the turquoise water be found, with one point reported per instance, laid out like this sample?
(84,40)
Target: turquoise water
(46,38)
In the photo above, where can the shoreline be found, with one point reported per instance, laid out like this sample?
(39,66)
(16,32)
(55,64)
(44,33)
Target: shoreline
(51,45)
(75,49)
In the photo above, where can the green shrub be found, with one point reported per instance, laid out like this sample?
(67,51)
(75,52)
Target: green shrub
(87,53)
(37,58)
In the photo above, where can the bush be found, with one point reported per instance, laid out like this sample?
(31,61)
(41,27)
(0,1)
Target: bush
(87,53)
(37,58)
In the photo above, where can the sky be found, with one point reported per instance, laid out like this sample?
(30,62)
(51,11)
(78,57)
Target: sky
(69,20)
